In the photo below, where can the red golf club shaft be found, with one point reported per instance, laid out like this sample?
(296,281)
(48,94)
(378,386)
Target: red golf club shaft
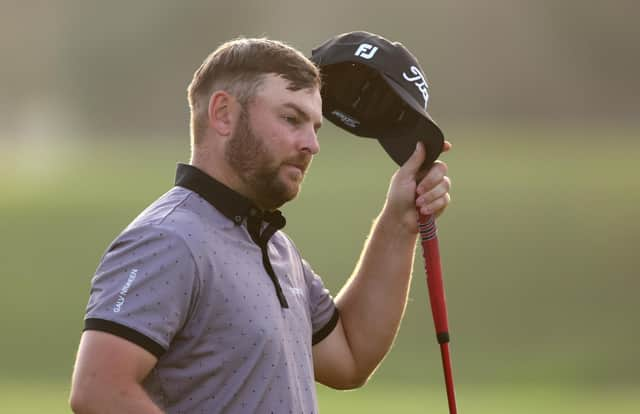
(433,268)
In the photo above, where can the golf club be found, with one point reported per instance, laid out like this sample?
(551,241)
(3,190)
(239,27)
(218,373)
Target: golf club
(433,268)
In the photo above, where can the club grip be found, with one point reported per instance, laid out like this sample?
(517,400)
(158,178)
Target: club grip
(433,268)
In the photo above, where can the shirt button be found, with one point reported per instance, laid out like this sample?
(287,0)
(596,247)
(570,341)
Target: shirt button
(238,219)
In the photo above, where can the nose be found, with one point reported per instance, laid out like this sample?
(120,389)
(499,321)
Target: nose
(310,142)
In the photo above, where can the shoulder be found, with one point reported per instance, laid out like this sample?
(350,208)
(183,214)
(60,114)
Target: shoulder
(171,209)
(180,212)
(282,238)
(283,243)
(164,224)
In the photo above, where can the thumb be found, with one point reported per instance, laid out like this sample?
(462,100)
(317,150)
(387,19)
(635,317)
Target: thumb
(412,165)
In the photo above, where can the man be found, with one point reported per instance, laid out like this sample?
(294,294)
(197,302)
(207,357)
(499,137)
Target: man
(203,304)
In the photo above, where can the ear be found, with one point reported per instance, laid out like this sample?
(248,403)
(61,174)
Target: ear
(223,112)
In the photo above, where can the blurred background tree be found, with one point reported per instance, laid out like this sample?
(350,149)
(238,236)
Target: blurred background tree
(105,68)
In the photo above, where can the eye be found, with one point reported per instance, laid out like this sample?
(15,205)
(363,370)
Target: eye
(291,119)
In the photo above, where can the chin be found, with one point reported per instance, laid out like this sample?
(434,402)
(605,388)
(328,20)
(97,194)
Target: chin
(290,184)
(289,195)
(280,194)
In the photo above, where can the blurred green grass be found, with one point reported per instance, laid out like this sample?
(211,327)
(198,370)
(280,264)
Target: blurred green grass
(539,251)
(41,397)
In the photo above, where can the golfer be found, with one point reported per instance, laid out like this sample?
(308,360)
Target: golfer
(203,304)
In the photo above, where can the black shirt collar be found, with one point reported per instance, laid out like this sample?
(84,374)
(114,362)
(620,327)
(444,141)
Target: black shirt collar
(233,205)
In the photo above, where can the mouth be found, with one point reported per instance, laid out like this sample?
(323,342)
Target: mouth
(299,164)
(299,169)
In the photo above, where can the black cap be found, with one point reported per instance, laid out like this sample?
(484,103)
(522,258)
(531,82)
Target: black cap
(376,88)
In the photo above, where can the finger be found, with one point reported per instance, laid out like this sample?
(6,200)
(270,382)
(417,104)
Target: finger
(446,146)
(435,175)
(413,164)
(438,191)
(437,206)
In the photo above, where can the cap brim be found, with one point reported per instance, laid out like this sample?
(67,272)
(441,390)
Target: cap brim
(401,145)
(406,96)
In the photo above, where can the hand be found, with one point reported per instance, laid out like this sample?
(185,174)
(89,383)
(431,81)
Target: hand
(432,193)
(424,190)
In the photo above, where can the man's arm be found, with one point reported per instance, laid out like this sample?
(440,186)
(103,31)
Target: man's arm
(372,302)
(108,374)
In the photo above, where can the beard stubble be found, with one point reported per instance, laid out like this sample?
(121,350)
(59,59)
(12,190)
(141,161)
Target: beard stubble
(247,154)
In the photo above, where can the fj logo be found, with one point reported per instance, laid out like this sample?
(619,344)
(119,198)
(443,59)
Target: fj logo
(419,81)
(366,51)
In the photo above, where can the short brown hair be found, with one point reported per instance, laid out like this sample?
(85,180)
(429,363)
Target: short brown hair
(238,67)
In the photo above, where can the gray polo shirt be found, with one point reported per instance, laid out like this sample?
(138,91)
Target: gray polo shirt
(207,283)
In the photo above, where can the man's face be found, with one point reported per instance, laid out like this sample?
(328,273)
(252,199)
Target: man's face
(274,141)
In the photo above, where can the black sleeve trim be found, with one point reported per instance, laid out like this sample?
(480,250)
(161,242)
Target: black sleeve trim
(327,329)
(93,324)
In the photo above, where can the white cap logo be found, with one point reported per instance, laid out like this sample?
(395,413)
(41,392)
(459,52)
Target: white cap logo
(420,83)
(346,119)
(366,51)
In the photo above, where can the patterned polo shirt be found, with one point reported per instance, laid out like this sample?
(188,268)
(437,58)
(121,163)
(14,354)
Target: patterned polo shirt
(213,288)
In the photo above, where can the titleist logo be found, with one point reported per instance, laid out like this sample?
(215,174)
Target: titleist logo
(419,81)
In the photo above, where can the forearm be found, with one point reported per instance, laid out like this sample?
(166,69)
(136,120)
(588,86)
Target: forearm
(373,300)
(120,399)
